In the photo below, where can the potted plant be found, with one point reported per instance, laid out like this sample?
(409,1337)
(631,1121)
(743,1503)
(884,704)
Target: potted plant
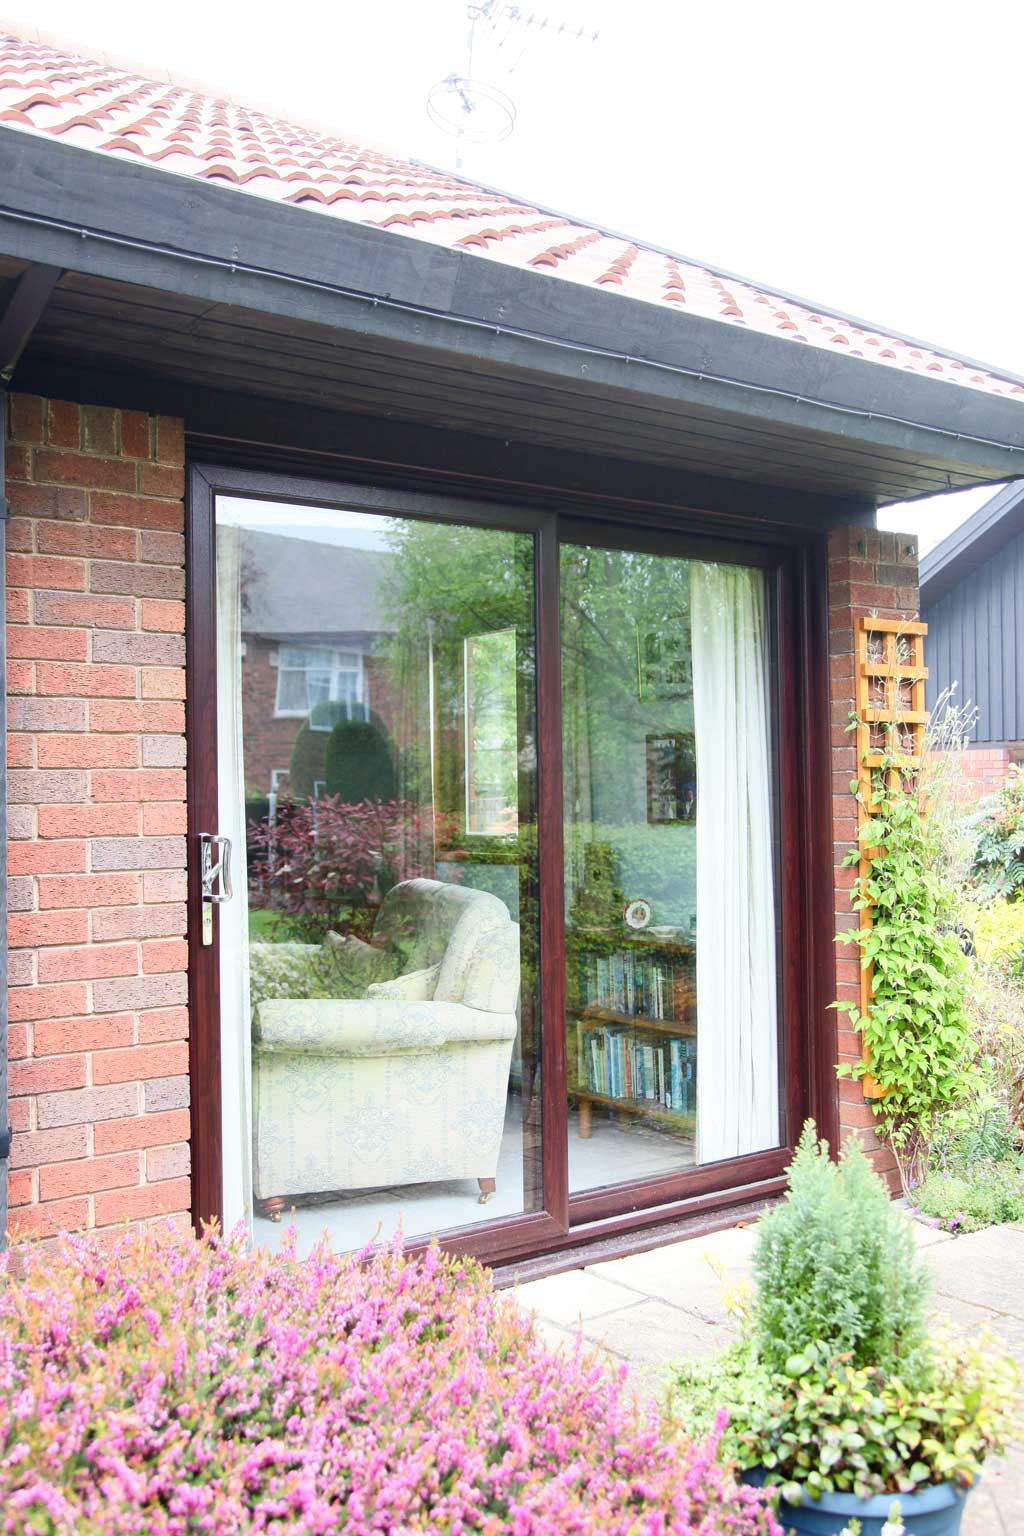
(838,1391)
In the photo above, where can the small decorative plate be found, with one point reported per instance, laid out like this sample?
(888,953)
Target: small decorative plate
(637,914)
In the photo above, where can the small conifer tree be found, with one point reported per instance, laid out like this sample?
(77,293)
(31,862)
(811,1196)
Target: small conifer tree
(836,1264)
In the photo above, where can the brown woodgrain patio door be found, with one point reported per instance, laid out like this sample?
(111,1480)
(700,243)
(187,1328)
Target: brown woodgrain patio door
(502,864)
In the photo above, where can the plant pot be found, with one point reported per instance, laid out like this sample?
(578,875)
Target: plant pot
(934,1511)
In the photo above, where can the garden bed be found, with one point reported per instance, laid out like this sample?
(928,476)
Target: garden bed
(178,1385)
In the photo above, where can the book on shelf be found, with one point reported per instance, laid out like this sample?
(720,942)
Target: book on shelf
(616,1064)
(626,982)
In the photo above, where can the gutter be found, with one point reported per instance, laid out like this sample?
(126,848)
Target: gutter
(83,234)
(772,290)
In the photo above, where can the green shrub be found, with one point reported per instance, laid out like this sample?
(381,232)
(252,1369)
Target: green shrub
(989,1134)
(825,1425)
(308,762)
(833,1385)
(999,851)
(972,1196)
(836,1265)
(359,763)
(916,1032)
(998,930)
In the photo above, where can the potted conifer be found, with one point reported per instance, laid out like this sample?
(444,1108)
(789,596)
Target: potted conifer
(839,1391)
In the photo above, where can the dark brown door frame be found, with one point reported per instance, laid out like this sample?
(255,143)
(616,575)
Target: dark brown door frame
(495,1239)
(796,560)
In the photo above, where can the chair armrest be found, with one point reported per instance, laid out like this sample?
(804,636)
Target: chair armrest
(371,1027)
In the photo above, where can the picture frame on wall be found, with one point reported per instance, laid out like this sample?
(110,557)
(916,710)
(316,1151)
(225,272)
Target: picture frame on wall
(671,778)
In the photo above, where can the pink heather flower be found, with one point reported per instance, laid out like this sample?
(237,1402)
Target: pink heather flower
(180,1385)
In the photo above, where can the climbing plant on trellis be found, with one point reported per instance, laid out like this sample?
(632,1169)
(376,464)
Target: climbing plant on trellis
(891,723)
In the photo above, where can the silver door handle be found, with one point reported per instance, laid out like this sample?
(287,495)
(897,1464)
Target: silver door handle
(215,866)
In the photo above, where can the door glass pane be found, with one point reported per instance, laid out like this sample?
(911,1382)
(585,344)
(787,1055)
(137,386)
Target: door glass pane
(378,959)
(491,768)
(672,1032)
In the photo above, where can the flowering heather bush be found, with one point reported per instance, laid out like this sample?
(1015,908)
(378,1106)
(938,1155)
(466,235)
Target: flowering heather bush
(182,1385)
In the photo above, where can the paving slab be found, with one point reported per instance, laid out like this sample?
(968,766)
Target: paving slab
(698,1274)
(927,1237)
(652,1336)
(670,1304)
(985,1269)
(578,1293)
(996,1507)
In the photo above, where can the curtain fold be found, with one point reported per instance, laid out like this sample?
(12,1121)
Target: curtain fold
(737,1035)
(233,915)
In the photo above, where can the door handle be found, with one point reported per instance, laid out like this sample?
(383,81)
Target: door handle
(215,866)
(214,876)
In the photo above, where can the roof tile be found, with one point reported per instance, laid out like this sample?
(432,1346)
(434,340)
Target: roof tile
(48,91)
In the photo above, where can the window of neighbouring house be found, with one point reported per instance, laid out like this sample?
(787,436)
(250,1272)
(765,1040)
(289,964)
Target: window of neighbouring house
(308,675)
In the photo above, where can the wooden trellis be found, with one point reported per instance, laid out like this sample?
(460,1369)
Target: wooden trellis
(892,718)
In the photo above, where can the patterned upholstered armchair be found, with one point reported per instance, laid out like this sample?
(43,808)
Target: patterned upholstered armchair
(404,1083)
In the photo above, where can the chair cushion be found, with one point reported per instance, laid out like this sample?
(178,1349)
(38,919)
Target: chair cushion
(358,965)
(327,971)
(491,976)
(285,970)
(413,987)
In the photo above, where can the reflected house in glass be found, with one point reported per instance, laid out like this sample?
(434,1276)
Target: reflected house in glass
(311,626)
(431,625)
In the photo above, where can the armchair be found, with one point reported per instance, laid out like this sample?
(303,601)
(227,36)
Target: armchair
(360,1093)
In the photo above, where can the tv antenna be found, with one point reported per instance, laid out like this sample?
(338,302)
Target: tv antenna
(473,110)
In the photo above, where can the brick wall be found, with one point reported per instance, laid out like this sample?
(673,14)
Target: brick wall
(869,572)
(984,769)
(99,1026)
(269,738)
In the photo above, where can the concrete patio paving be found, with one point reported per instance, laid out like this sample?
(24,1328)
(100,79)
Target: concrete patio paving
(669,1303)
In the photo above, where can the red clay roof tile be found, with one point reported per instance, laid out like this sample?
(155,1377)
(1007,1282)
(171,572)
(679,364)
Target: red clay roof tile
(48,91)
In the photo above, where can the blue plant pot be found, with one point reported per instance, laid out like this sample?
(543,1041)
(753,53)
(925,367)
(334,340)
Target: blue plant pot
(935,1511)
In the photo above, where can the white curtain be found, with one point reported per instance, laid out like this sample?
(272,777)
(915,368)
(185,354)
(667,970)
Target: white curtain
(233,915)
(737,1031)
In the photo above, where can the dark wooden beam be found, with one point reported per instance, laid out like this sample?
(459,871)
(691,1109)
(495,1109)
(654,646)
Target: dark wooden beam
(24,308)
(231,428)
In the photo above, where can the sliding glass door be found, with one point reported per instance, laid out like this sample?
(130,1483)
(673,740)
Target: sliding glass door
(499,953)
(378,958)
(672,1039)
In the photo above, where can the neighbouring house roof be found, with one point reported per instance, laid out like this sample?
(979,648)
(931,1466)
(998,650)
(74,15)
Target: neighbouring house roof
(310,589)
(973,544)
(50,92)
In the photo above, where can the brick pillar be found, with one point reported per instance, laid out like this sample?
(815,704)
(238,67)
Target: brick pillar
(869,572)
(96,647)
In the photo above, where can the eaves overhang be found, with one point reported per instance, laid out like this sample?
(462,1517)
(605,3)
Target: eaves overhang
(671,386)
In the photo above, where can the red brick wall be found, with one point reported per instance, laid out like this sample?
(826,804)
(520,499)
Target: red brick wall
(268,738)
(983,770)
(869,572)
(96,684)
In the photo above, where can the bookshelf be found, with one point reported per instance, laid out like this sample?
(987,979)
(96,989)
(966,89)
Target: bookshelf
(631,1004)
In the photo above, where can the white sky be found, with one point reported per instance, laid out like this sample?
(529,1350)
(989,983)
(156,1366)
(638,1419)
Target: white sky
(864,154)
